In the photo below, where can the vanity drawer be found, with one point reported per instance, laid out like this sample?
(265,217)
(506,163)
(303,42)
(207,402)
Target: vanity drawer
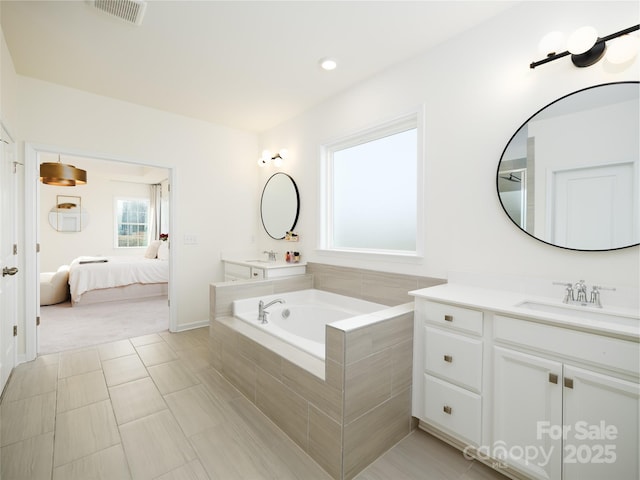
(453,408)
(458,318)
(234,271)
(608,352)
(454,357)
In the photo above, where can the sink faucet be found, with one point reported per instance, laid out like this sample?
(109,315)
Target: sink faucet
(577,294)
(262,309)
(272,255)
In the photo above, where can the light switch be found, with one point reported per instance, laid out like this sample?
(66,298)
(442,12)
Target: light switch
(190,239)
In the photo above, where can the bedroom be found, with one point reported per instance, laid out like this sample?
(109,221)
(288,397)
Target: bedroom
(73,247)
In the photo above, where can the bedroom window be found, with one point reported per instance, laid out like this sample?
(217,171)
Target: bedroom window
(372,190)
(132,222)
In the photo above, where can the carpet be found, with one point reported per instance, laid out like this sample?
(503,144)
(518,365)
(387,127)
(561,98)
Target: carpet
(63,327)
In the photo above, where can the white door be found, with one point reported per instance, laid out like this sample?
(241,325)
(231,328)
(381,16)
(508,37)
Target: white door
(593,207)
(528,413)
(602,416)
(8,260)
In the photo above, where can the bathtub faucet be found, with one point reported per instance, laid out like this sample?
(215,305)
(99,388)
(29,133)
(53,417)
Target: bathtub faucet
(262,309)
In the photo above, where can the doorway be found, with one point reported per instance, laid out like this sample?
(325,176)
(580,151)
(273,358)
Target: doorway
(93,237)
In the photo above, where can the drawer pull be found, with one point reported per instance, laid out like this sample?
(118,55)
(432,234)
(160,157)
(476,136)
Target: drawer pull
(448,358)
(447,409)
(448,318)
(568,382)
(553,378)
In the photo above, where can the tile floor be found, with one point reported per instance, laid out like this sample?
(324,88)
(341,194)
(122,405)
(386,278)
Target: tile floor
(151,407)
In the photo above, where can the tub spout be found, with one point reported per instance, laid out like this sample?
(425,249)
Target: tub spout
(262,309)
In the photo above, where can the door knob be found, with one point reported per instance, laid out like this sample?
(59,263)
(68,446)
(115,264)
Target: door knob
(9,271)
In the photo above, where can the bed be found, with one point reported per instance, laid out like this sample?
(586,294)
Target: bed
(104,279)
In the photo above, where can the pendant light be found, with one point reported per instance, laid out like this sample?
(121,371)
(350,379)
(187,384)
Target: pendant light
(61,174)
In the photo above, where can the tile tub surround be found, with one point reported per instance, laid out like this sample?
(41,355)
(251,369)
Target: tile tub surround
(362,407)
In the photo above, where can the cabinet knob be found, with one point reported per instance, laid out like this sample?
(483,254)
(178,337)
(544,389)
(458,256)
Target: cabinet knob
(447,409)
(448,358)
(448,318)
(568,382)
(553,378)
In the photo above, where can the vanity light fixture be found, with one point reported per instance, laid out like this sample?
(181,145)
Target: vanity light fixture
(586,48)
(61,174)
(277,159)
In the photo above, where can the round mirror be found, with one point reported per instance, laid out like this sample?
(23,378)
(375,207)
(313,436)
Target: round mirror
(280,205)
(569,176)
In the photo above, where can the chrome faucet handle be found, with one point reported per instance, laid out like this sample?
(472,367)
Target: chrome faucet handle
(595,294)
(272,255)
(568,292)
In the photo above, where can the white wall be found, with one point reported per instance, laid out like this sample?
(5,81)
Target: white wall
(97,236)
(477,90)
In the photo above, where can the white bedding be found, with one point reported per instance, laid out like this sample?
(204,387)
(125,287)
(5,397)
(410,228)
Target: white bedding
(115,272)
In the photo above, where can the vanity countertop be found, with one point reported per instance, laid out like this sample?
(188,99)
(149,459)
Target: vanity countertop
(259,263)
(510,303)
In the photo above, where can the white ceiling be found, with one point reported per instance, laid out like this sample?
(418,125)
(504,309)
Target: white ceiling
(244,64)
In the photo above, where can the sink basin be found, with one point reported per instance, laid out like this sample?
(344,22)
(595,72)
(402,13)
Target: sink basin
(258,261)
(585,313)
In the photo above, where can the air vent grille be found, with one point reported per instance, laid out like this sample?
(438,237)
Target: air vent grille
(131,11)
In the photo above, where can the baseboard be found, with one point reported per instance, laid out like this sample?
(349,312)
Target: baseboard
(183,327)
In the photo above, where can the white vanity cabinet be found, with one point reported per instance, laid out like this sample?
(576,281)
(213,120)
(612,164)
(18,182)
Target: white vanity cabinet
(448,369)
(535,395)
(569,401)
(252,270)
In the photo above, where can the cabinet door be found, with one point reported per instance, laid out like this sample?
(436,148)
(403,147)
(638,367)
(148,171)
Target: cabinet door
(601,418)
(527,411)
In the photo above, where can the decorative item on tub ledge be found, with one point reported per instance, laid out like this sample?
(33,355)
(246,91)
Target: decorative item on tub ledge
(61,174)
(277,159)
(586,48)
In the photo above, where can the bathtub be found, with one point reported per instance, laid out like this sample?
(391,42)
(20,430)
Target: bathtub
(301,320)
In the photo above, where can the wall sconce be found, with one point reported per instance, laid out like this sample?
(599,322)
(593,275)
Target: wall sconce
(586,48)
(277,159)
(61,174)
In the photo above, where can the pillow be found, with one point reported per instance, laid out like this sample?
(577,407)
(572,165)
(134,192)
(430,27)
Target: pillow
(152,249)
(163,251)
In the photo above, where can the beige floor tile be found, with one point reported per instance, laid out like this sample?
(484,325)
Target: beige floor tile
(40,361)
(226,453)
(146,339)
(195,359)
(81,390)
(172,376)
(29,459)
(219,386)
(33,381)
(78,361)
(136,399)
(27,418)
(84,431)
(156,353)
(190,471)
(155,445)
(123,369)
(196,409)
(115,349)
(107,464)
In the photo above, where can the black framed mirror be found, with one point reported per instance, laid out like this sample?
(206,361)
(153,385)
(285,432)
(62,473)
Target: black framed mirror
(279,205)
(570,175)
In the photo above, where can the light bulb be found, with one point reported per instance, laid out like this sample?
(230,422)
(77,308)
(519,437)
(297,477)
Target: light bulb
(277,161)
(328,64)
(284,153)
(262,161)
(622,49)
(582,40)
(552,42)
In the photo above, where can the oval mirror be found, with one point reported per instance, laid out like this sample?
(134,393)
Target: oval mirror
(280,205)
(569,176)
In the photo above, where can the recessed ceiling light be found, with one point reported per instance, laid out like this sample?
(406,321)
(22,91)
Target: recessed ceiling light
(328,63)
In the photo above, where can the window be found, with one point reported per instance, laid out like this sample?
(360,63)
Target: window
(132,217)
(373,190)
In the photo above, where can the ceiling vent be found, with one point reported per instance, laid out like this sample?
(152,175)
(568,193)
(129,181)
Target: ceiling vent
(131,11)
